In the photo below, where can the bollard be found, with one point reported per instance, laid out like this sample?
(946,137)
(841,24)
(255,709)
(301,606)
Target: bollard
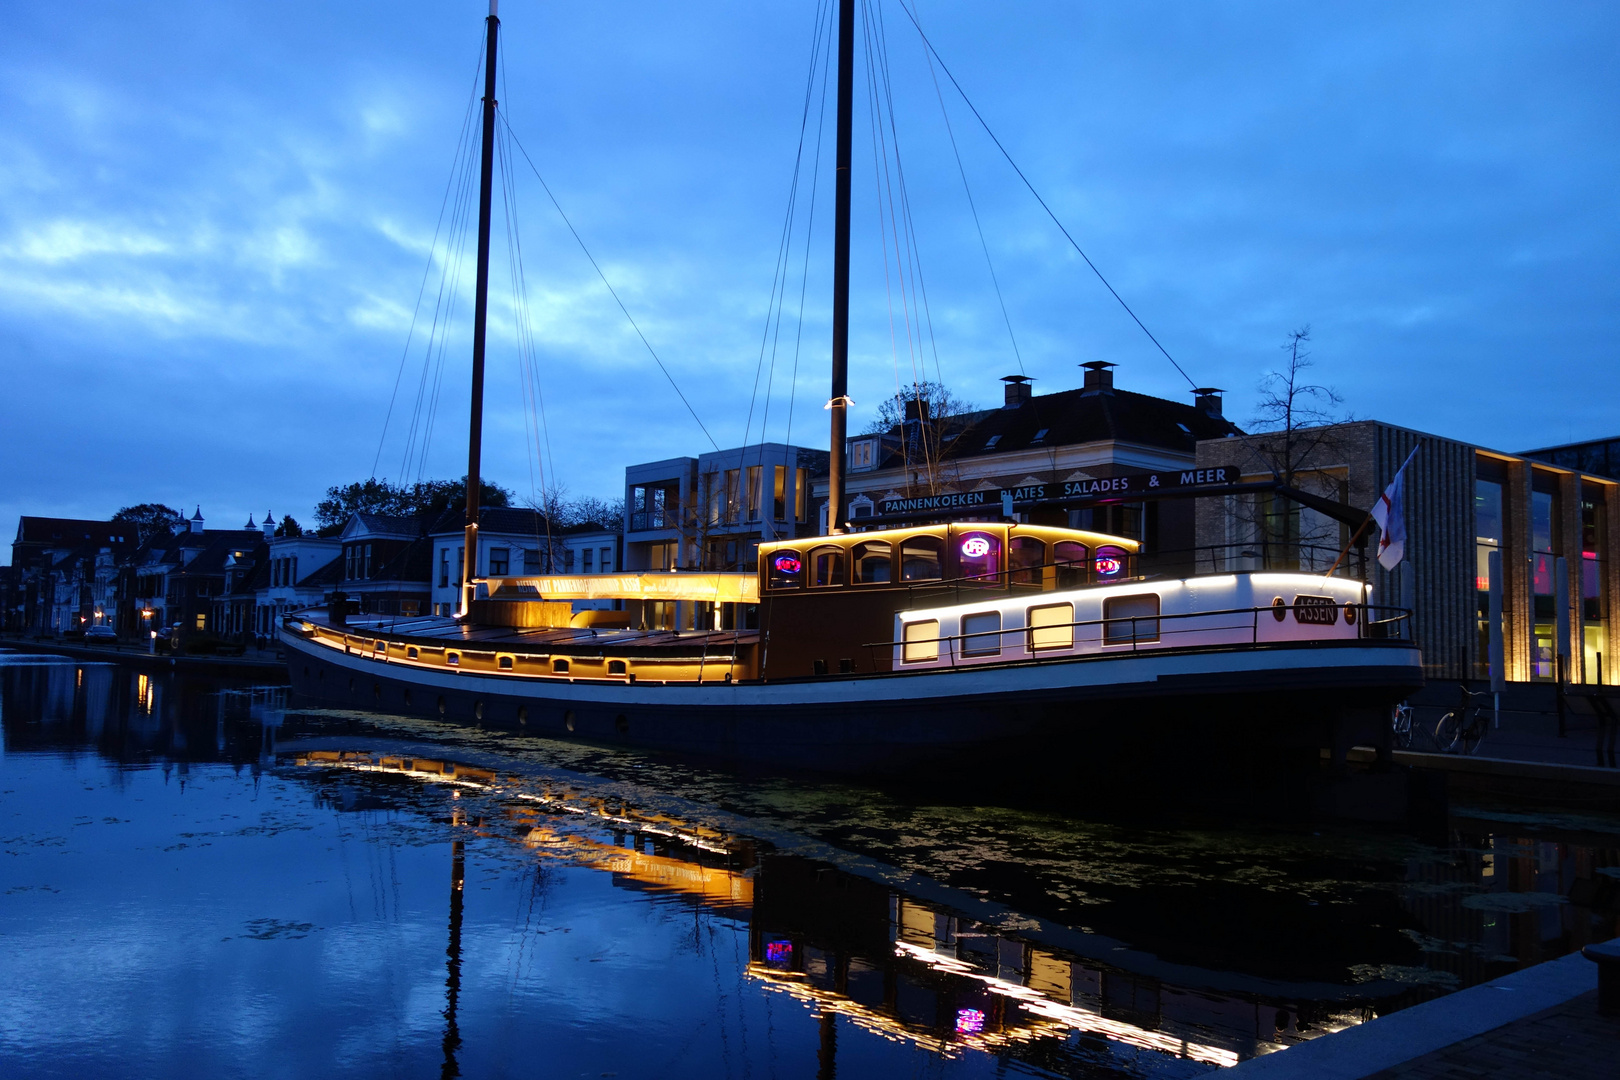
(1607,958)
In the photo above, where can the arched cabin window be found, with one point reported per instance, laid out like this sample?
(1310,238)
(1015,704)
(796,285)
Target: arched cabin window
(1112,563)
(978,556)
(1026,555)
(826,567)
(787,569)
(870,562)
(1072,561)
(922,558)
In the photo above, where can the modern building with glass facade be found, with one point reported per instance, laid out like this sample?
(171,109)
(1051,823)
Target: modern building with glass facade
(1462,503)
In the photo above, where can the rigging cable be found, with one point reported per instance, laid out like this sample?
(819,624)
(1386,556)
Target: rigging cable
(1066,235)
(613,292)
(427,270)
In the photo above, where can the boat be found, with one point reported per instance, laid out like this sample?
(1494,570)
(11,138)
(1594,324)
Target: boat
(880,648)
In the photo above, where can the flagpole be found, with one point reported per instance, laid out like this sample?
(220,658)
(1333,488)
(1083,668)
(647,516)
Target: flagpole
(1351,543)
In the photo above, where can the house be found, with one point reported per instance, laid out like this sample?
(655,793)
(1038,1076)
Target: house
(385,564)
(44,550)
(1047,444)
(172,580)
(302,572)
(511,540)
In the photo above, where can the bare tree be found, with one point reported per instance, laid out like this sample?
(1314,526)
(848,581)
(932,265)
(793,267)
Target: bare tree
(927,419)
(1298,427)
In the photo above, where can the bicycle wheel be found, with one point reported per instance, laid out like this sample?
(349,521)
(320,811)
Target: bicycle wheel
(1473,731)
(1447,733)
(1401,725)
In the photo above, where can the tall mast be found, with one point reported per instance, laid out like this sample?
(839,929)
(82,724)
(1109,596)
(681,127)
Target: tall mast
(839,404)
(475,426)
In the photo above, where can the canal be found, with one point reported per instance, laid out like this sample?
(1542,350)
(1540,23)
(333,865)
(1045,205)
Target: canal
(202,878)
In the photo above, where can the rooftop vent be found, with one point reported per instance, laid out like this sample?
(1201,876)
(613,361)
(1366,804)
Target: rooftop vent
(1207,399)
(1018,390)
(1099,379)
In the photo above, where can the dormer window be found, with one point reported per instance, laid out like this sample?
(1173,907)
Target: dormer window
(990,444)
(863,454)
(1040,436)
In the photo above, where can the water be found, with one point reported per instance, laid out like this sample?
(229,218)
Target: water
(197,879)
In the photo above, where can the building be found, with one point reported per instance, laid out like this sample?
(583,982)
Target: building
(385,565)
(1045,452)
(1462,503)
(511,540)
(1600,457)
(174,579)
(51,578)
(303,572)
(712,512)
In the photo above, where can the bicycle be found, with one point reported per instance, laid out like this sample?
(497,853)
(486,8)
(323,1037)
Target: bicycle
(1400,724)
(1461,729)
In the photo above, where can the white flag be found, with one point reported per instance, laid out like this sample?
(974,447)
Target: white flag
(1391,521)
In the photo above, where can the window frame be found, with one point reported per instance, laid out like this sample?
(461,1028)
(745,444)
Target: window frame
(927,647)
(1034,627)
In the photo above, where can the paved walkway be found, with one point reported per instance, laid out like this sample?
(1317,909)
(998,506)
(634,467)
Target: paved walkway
(1572,1041)
(1541,1021)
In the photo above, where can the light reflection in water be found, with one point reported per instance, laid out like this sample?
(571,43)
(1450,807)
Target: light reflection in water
(156,880)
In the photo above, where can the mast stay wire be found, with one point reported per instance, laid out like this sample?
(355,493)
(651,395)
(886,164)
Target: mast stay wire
(427,391)
(517,142)
(537,429)
(781,271)
(905,253)
(1049,213)
(427,269)
(809,235)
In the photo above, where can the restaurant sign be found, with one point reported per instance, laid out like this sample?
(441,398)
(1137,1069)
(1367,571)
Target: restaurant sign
(1125,487)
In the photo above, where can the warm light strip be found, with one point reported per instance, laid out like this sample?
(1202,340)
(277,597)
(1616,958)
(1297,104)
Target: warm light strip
(718,588)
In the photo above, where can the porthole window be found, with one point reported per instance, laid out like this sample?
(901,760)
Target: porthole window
(1279,609)
(618,667)
(560,666)
(505,663)
(411,653)
(453,659)
(1350,614)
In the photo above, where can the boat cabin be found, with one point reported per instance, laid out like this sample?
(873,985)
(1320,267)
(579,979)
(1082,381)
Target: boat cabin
(828,603)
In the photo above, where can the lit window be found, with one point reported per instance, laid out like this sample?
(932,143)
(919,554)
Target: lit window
(1051,626)
(921,641)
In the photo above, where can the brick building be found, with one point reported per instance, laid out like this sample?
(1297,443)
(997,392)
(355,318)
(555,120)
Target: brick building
(1462,502)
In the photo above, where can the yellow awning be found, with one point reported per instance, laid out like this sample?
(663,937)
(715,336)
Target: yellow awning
(715,588)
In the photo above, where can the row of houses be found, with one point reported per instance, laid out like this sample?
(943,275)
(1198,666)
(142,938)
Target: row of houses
(1091,456)
(67,575)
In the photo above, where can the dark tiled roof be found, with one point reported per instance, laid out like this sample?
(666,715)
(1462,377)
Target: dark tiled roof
(385,523)
(502,519)
(329,574)
(1070,417)
(58,532)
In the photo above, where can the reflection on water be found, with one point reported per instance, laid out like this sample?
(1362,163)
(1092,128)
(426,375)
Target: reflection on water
(242,888)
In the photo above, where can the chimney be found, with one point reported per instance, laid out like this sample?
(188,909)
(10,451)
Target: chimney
(1207,399)
(1099,379)
(196,524)
(1018,390)
(269,525)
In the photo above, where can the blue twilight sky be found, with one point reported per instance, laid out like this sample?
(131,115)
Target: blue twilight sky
(215,220)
